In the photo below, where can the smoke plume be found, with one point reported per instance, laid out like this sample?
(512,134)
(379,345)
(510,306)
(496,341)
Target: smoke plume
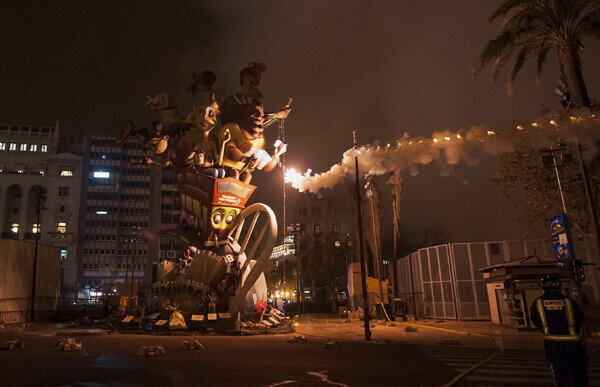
(451,148)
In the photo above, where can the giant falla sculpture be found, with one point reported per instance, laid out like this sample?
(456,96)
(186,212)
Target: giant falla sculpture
(213,151)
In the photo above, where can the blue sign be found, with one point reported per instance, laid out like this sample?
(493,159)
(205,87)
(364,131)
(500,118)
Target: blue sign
(561,239)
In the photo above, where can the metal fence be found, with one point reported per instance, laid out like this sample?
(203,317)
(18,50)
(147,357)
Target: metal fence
(445,280)
(47,309)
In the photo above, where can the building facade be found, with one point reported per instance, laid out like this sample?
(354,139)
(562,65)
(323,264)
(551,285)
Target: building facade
(40,170)
(123,209)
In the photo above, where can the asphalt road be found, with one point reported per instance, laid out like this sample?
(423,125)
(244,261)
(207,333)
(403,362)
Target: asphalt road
(267,360)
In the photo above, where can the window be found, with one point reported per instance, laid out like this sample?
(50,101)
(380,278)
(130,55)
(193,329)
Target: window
(14,228)
(35,228)
(33,148)
(12,146)
(44,148)
(61,228)
(2,146)
(63,254)
(63,191)
(23,147)
(66,172)
(317,229)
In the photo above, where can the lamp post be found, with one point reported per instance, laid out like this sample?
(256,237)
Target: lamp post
(299,287)
(132,267)
(549,159)
(371,195)
(363,279)
(41,199)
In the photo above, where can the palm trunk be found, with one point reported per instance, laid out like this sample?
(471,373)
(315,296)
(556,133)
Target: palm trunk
(576,77)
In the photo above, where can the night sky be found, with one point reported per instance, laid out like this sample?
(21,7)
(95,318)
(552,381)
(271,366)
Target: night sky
(380,67)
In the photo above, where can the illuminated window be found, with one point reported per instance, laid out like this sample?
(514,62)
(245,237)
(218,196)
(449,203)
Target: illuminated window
(317,229)
(20,171)
(2,146)
(23,147)
(61,227)
(33,148)
(66,172)
(101,175)
(44,148)
(63,254)
(337,244)
(12,146)
(14,228)
(35,228)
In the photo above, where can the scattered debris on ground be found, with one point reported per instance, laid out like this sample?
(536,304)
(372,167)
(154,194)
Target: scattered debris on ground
(192,345)
(67,345)
(334,344)
(12,344)
(297,339)
(410,329)
(384,342)
(150,350)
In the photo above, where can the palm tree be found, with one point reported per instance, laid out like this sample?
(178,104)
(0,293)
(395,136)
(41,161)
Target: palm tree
(535,27)
(396,183)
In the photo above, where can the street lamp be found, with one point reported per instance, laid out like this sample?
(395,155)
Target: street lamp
(41,196)
(363,280)
(299,286)
(550,159)
(371,194)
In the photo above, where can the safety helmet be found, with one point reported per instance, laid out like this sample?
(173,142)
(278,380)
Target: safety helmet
(549,283)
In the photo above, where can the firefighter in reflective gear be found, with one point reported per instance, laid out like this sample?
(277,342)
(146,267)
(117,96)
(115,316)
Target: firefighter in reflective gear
(560,320)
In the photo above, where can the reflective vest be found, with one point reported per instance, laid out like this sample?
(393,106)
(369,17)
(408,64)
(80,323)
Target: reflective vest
(572,336)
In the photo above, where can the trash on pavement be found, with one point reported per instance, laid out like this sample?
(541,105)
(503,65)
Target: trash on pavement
(192,345)
(333,344)
(150,350)
(12,344)
(67,345)
(297,339)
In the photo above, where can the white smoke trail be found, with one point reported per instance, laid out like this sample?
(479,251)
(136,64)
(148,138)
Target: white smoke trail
(452,148)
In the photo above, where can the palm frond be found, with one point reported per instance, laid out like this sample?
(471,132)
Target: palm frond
(517,66)
(506,7)
(492,50)
(543,53)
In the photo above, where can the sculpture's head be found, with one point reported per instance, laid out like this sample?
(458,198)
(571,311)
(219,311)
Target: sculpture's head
(204,116)
(250,76)
(253,119)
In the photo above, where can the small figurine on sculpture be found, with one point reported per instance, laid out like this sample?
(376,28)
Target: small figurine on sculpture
(234,105)
(245,150)
(185,143)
